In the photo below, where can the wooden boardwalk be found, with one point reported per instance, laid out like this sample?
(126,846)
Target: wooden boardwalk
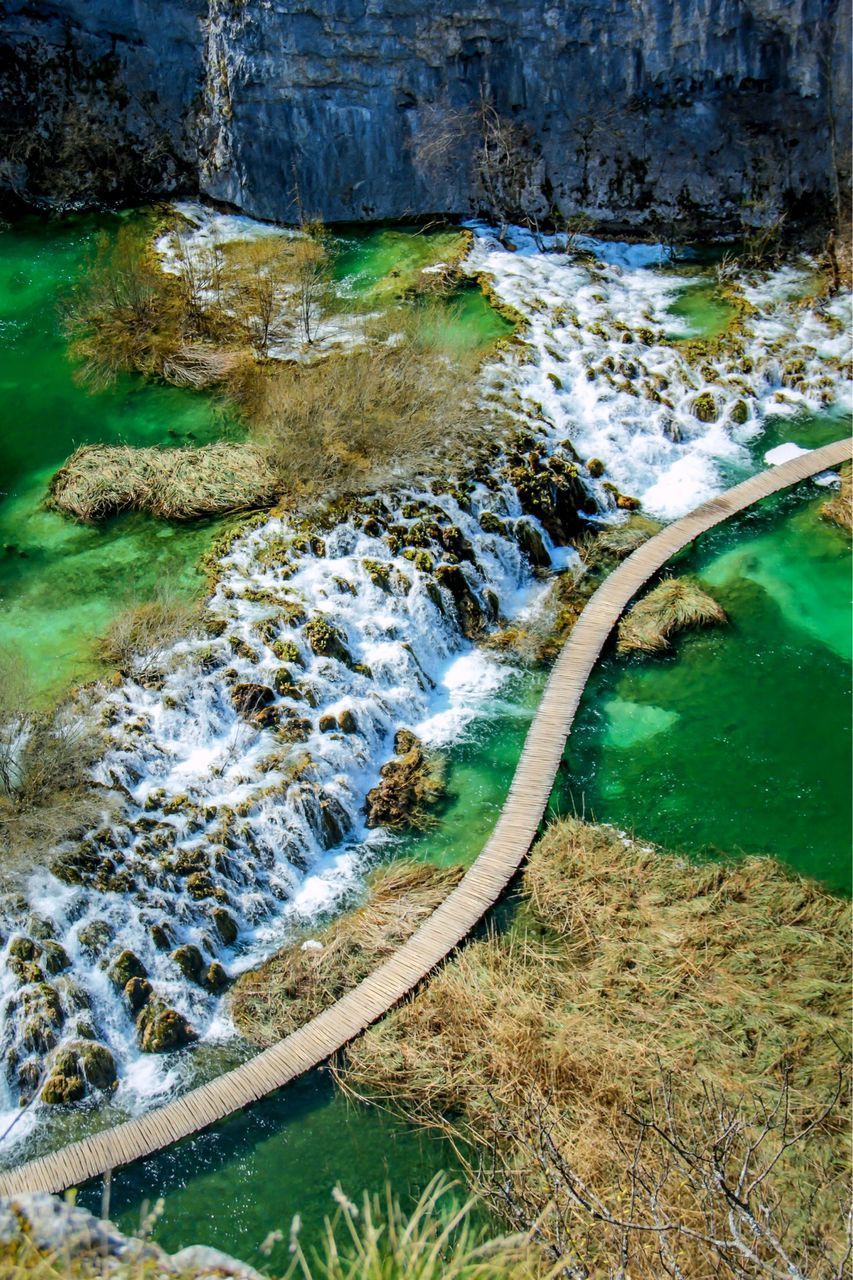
(481,886)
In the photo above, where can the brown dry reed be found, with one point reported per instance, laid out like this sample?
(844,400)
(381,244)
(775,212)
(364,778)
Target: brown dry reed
(139,638)
(675,605)
(99,481)
(630,974)
(296,984)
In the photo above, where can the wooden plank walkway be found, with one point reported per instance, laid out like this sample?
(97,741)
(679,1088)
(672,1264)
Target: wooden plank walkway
(479,889)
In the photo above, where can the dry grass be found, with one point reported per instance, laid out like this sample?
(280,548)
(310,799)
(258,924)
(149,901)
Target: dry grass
(840,508)
(297,983)
(394,409)
(628,968)
(99,481)
(672,606)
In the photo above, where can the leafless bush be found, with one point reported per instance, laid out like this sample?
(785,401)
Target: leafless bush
(138,639)
(46,793)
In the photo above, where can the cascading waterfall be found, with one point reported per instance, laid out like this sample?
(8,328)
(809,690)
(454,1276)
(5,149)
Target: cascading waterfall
(243,756)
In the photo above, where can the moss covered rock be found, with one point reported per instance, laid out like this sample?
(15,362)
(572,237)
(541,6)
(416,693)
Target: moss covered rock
(532,544)
(469,611)
(408,784)
(190,961)
(160,1029)
(249,698)
(326,640)
(225,925)
(705,407)
(126,965)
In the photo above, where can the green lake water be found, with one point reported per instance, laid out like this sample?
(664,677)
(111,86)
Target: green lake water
(61,583)
(740,740)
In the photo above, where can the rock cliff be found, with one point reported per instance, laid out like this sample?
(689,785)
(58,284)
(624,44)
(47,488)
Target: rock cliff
(637,108)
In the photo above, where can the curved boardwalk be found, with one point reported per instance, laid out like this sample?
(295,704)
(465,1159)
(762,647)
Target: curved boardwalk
(465,905)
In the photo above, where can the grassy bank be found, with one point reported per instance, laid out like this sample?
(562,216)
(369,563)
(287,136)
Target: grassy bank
(647,1069)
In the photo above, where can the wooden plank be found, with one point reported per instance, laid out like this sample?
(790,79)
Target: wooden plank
(464,907)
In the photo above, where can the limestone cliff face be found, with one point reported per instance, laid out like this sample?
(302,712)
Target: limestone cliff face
(637,107)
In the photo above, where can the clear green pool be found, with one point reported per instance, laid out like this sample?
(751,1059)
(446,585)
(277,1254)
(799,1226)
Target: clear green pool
(61,583)
(740,740)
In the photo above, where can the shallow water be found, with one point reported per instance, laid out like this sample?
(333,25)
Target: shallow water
(740,740)
(61,583)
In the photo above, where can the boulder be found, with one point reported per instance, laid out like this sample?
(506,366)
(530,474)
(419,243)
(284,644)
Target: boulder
(160,1029)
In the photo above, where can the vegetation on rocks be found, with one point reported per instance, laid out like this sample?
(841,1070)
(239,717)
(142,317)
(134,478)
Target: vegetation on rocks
(648,1070)
(306,977)
(409,785)
(674,605)
(46,794)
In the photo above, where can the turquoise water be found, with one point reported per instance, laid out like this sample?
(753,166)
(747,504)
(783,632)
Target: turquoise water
(61,583)
(740,739)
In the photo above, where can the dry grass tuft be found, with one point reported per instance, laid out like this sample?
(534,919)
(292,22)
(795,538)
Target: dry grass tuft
(629,968)
(840,508)
(672,606)
(99,481)
(297,983)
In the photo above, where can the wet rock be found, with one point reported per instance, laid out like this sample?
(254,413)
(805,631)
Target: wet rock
(623,500)
(326,640)
(38,1035)
(490,523)
(160,1029)
(38,927)
(347,722)
(215,977)
(54,958)
(377,572)
(408,783)
(225,925)
(190,860)
(672,430)
(126,965)
(531,543)
(76,1068)
(287,651)
(334,820)
(22,948)
(451,578)
(200,885)
(705,407)
(327,724)
(94,937)
(455,544)
(137,993)
(77,866)
(161,936)
(595,467)
(249,698)
(284,685)
(190,961)
(740,412)
(28,1078)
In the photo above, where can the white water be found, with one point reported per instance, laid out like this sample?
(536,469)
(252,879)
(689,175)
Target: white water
(199,777)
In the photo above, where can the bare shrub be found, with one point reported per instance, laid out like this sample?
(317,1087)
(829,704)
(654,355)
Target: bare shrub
(389,411)
(139,637)
(46,794)
(497,152)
